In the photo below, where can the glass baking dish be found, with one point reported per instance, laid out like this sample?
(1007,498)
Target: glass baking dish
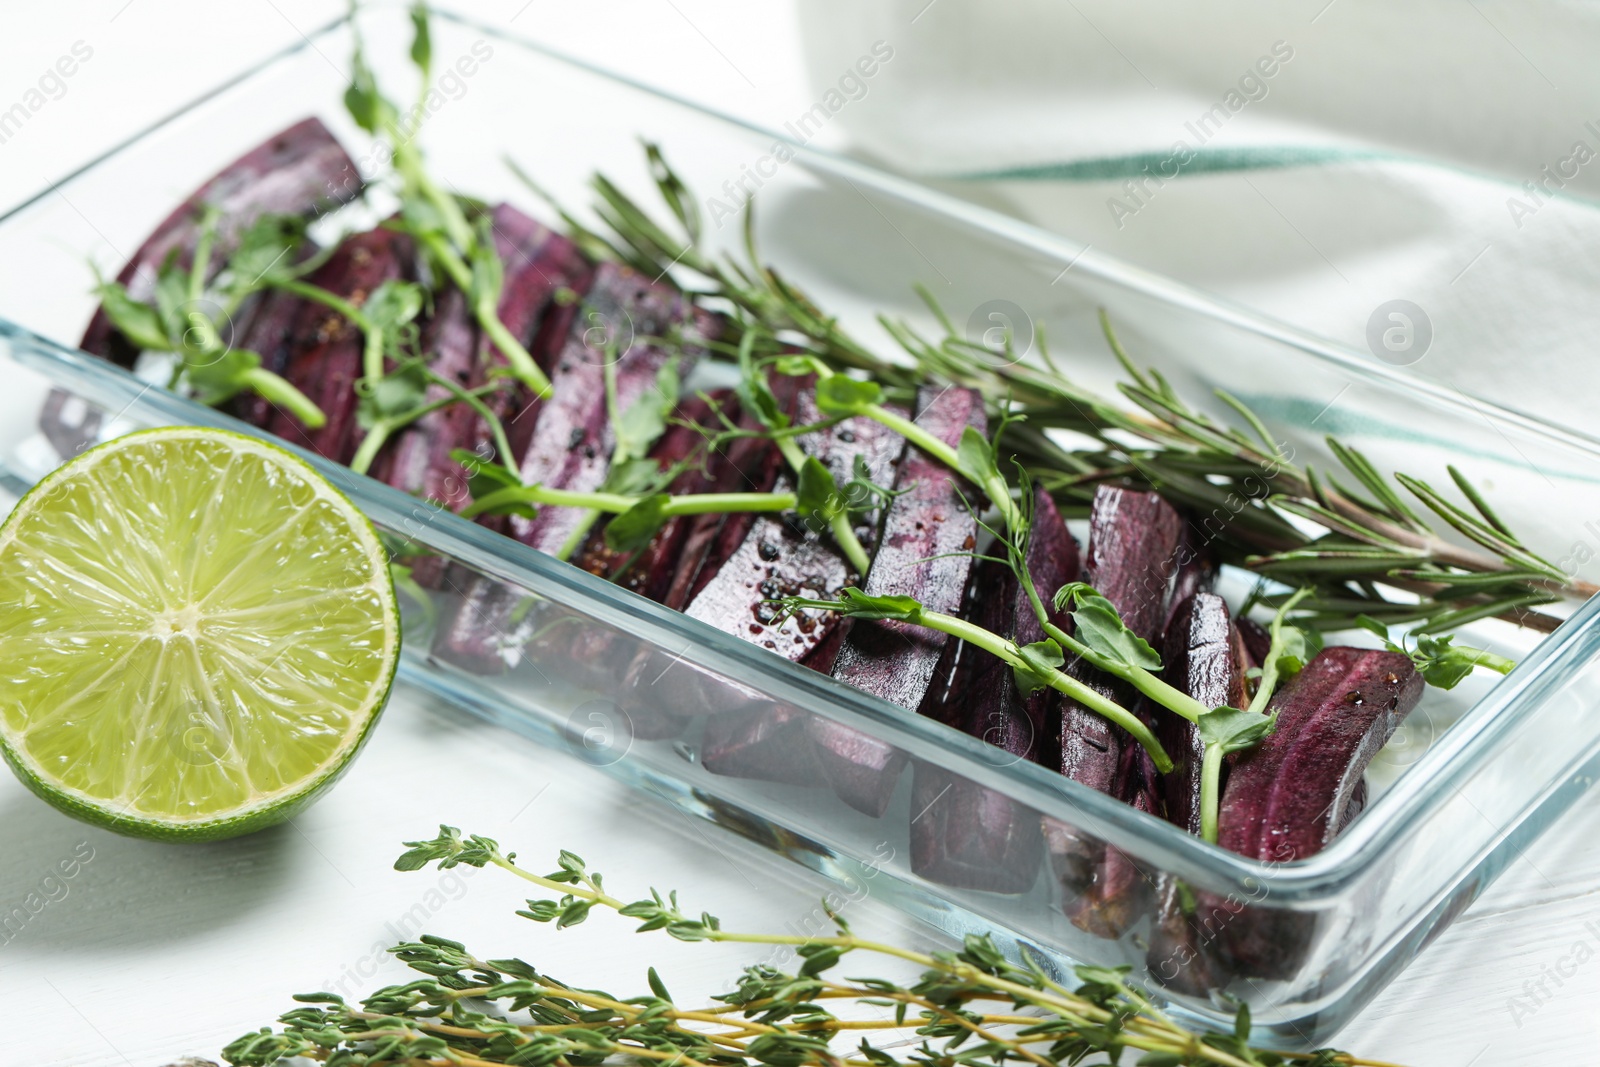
(635,690)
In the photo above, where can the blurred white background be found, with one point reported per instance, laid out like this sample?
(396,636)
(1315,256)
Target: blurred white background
(966,95)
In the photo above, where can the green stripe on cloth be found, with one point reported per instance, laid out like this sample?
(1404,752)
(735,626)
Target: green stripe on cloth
(1231,160)
(1204,161)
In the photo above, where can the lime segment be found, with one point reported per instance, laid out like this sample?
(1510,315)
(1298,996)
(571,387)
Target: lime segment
(197,632)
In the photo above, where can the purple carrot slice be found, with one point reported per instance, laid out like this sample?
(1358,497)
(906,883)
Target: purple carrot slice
(538,265)
(570,444)
(682,442)
(925,529)
(326,348)
(573,439)
(1181,957)
(418,460)
(661,706)
(1120,890)
(1358,804)
(756,464)
(270,333)
(1134,539)
(1286,799)
(963,834)
(1203,656)
(643,571)
(300,171)
(780,557)
(536,262)
(1257,641)
(545,275)
(762,740)
(1196,573)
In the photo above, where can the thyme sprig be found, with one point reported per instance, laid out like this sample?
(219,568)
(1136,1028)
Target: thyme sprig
(1244,486)
(971,1007)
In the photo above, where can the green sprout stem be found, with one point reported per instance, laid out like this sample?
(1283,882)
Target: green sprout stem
(616,503)
(1008,652)
(1210,791)
(277,390)
(844,535)
(998,492)
(1269,669)
(447,253)
(384,428)
(1151,685)
(1060,681)
(333,301)
(1483,658)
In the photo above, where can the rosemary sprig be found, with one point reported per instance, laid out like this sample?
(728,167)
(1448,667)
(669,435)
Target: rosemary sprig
(972,1007)
(1241,484)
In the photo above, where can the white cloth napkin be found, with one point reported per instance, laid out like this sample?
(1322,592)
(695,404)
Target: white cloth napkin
(1314,160)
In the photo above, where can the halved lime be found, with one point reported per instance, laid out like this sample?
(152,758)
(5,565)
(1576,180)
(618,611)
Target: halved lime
(197,632)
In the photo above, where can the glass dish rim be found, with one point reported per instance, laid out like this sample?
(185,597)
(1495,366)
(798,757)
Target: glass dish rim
(1466,747)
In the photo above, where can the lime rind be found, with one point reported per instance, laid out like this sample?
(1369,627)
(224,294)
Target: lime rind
(252,711)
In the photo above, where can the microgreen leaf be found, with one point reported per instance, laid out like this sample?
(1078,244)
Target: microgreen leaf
(842,395)
(1043,659)
(816,493)
(645,420)
(1234,729)
(633,529)
(421,38)
(976,459)
(138,322)
(1100,627)
(220,379)
(396,394)
(392,305)
(756,397)
(1438,659)
(633,477)
(362,99)
(266,252)
(1298,647)
(171,299)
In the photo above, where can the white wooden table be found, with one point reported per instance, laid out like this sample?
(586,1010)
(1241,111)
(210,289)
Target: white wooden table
(149,952)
